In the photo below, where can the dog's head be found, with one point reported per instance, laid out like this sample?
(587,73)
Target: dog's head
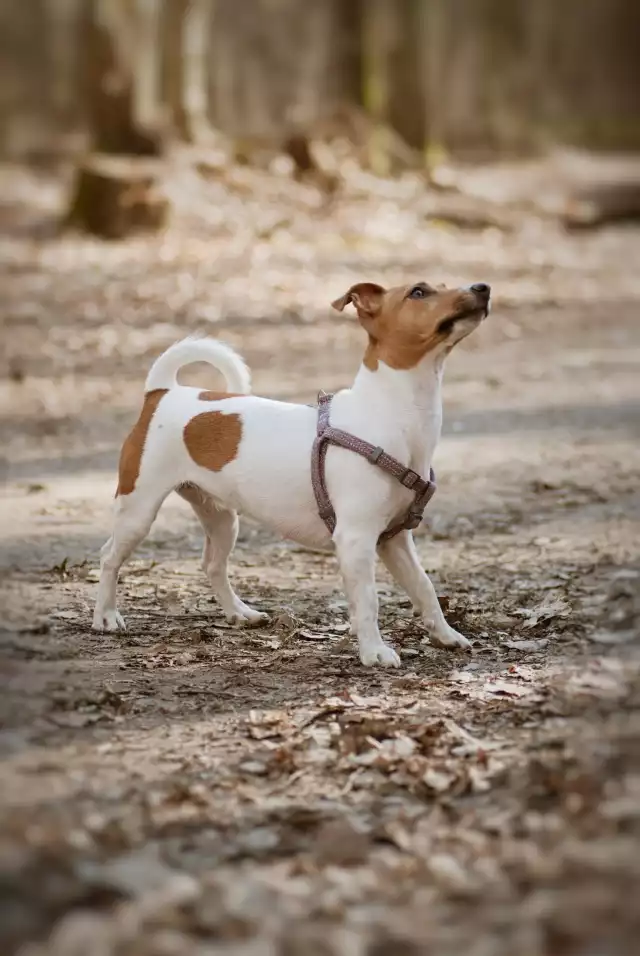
(407,322)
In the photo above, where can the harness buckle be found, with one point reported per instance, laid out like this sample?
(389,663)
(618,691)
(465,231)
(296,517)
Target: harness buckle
(413,520)
(410,478)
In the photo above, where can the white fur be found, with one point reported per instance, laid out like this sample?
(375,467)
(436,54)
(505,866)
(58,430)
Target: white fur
(163,373)
(270,481)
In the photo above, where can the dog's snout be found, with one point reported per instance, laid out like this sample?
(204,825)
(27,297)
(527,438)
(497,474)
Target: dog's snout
(481,288)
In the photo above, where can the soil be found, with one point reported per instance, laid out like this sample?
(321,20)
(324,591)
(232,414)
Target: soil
(193,788)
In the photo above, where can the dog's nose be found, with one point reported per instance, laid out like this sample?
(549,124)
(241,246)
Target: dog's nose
(481,288)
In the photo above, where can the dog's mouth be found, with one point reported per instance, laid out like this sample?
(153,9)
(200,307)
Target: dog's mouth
(481,312)
(478,312)
(479,308)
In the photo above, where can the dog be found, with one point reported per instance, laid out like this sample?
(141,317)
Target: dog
(230,453)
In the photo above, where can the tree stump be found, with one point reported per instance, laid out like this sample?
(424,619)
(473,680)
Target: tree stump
(116,196)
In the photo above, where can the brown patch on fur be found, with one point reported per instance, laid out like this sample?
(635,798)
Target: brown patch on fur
(402,330)
(213,439)
(216,396)
(131,454)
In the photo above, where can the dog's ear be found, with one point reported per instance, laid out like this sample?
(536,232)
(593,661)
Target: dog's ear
(366,297)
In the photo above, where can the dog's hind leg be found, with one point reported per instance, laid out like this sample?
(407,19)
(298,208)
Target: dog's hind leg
(134,515)
(221,531)
(400,557)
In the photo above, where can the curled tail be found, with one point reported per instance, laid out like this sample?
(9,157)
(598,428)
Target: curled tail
(164,371)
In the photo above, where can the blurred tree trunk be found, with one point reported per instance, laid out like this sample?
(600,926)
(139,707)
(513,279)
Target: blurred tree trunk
(348,32)
(147,96)
(222,70)
(466,75)
(62,20)
(310,69)
(24,77)
(186,79)
(433,17)
(377,35)
(108,45)
(116,192)
(407,107)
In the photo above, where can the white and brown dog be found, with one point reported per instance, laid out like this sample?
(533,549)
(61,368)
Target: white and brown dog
(232,452)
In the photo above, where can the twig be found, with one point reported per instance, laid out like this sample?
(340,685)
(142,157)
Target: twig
(189,616)
(319,715)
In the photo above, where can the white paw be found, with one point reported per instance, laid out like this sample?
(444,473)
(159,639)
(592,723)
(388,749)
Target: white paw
(108,621)
(379,654)
(449,639)
(247,617)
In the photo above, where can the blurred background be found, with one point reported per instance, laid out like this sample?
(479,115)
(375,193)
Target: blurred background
(467,76)
(395,85)
(231,167)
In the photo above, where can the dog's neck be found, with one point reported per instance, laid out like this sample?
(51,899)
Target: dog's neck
(409,400)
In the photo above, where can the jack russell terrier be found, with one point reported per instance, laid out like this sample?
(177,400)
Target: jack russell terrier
(232,452)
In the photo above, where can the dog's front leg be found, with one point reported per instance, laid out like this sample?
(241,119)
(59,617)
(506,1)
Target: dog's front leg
(357,557)
(401,559)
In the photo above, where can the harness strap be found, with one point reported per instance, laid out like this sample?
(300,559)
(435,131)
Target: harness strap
(327,435)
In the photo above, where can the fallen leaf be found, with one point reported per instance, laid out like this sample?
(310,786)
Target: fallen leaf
(397,748)
(438,780)
(503,688)
(360,701)
(532,645)
(522,671)
(462,677)
(546,612)
(309,636)
(266,718)
(468,743)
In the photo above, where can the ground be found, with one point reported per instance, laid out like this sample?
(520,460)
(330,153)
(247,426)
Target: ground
(193,788)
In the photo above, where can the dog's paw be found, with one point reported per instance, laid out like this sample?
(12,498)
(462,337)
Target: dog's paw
(450,639)
(108,621)
(379,654)
(247,617)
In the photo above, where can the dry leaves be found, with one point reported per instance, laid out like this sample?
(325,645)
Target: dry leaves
(547,611)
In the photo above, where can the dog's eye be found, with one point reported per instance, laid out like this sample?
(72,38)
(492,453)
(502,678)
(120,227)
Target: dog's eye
(419,292)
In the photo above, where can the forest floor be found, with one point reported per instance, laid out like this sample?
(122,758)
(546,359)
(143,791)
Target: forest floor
(189,788)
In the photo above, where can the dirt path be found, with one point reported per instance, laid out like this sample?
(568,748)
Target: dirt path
(191,788)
